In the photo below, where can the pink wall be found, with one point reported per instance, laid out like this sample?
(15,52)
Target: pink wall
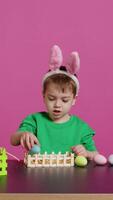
(28,28)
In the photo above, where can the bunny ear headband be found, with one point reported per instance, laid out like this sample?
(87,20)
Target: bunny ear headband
(71,67)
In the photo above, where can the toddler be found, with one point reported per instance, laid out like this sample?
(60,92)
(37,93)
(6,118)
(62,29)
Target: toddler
(56,129)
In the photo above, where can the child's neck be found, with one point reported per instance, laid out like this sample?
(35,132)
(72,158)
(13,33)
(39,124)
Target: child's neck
(63,119)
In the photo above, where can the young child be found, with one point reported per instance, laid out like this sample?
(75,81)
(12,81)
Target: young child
(56,130)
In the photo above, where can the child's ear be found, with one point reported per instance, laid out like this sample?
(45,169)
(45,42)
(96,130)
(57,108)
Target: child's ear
(43,97)
(74,100)
(43,94)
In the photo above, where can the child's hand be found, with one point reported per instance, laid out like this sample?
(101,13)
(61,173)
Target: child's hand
(80,150)
(27,140)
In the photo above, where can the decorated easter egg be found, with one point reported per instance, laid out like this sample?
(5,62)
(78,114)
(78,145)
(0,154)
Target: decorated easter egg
(35,149)
(80,161)
(110,159)
(100,159)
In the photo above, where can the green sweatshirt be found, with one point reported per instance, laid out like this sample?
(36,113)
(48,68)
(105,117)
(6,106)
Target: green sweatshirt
(58,137)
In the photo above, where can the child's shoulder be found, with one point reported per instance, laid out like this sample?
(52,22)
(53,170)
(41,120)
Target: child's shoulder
(37,115)
(81,123)
(78,119)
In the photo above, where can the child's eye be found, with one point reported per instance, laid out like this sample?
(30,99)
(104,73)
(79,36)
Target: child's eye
(65,100)
(51,99)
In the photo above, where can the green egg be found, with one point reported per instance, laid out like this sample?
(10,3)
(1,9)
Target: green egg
(81,161)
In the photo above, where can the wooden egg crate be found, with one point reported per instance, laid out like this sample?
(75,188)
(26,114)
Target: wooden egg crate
(49,160)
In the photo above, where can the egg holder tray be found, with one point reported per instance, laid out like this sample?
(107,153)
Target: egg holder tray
(49,160)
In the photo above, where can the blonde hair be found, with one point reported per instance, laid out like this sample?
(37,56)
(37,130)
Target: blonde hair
(62,80)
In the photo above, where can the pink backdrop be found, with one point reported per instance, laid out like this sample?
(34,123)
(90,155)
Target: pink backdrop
(28,28)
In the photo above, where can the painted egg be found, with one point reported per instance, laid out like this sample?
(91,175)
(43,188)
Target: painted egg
(110,159)
(35,149)
(100,159)
(81,161)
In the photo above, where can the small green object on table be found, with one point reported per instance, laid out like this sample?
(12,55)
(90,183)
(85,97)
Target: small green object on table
(80,161)
(3,161)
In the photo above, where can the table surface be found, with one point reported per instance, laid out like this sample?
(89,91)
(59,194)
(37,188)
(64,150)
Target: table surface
(89,179)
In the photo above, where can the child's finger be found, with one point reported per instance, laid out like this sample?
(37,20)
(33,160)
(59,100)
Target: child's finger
(22,139)
(78,150)
(76,147)
(32,142)
(21,142)
(36,141)
(81,149)
(28,142)
(75,150)
(81,152)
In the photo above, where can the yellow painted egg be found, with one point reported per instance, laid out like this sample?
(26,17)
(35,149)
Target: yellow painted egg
(81,161)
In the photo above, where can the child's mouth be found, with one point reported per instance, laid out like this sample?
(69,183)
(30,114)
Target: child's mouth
(56,112)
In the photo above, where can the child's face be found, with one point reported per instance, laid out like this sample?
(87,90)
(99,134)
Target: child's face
(58,103)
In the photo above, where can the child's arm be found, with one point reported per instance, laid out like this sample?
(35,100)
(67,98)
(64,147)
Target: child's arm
(25,136)
(26,139)
(81,150)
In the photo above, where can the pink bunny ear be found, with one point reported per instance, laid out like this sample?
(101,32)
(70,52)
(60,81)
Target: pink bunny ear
(73,63)
(56,57)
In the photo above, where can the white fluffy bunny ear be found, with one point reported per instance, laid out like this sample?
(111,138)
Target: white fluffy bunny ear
(56,58)
(73,63)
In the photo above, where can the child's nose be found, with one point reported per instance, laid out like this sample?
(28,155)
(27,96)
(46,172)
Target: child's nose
(57,103)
